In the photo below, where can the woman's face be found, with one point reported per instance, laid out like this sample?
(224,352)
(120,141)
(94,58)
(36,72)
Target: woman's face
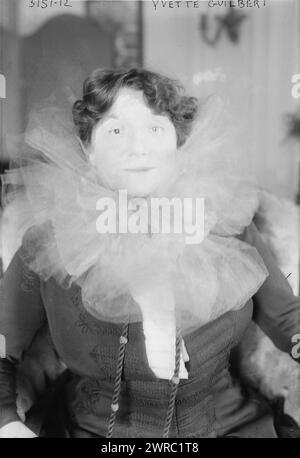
(133,148)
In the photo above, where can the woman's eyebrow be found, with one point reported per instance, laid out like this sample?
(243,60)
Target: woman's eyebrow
(110,116)
(113,116)
(107,118)
(161,116)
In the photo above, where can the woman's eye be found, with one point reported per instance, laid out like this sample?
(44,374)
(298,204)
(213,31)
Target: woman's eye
(115,131)
(156,128)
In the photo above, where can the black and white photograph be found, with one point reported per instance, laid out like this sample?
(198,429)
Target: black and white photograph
(149,221)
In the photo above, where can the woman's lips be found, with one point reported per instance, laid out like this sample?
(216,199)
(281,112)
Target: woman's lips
(139,169)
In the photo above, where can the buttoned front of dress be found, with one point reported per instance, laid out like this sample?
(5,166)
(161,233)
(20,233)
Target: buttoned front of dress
(199,406)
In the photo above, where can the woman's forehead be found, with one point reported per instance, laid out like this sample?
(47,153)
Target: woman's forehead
(128,101)
(126,94)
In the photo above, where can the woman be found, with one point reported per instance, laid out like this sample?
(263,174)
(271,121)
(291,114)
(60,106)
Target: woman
(144,320)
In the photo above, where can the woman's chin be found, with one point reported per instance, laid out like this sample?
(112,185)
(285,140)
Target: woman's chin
(137,191)
(147,188)
(140,188)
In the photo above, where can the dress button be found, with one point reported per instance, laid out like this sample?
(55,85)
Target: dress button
(115,407)
(123,340)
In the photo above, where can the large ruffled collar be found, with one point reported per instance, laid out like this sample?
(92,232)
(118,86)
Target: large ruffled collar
(61,190)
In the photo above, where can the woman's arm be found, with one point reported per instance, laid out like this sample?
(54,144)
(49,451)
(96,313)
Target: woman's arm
(276,308)
(21,316)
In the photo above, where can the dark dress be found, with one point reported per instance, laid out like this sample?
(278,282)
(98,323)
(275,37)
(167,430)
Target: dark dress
(212,402)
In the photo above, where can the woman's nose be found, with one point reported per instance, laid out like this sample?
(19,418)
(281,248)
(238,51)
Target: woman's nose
(138,146)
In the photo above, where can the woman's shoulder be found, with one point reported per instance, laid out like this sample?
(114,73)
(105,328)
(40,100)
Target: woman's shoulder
(35,238)
(37,233)
(38,249)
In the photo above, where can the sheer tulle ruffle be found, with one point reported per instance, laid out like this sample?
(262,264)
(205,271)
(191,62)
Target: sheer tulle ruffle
(57,190)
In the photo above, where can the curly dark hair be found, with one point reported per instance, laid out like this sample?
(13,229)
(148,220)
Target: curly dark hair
(163,95)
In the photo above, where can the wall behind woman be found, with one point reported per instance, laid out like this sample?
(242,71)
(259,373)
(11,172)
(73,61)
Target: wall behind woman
(252,74)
